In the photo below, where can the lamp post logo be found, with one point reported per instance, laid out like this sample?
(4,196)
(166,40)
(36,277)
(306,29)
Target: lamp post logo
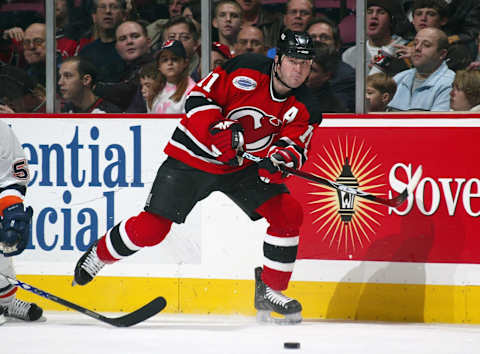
(346,200)
(343,221)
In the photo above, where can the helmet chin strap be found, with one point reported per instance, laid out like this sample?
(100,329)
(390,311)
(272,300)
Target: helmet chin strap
(278,76)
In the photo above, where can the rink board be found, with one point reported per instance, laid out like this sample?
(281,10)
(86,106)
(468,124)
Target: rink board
(420,263)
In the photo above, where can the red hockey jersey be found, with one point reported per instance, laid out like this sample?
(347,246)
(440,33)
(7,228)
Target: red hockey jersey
(241,90)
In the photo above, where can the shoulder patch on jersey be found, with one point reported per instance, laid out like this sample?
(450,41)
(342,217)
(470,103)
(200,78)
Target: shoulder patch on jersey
(244,83)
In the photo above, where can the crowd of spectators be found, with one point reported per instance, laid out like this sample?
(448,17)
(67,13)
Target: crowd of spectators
(143,56)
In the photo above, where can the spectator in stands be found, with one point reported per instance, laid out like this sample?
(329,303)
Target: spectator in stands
(133,46)
(427,86)
(76,81)
(70,36)
(15,17)
(67,35)
(297,14)
(132,42)
(270,23)
(463,25)
(220,54)
(381,40)
(131,11)
(250,39)
(193,11)
(325,33)
(13,22)
(156,28)
(439,14)
(429,13)
(175,7)
(18,92)
(182,29)
(323,68)
(150,80)
(107,15)
(227,20)
(34,50)
(152,10)
(176,83)
(380,89)
(465,94)
(434,13)
(478,50)
(66,46)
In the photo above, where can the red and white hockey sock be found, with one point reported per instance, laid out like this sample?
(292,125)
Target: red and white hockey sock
(131,235)
(280,245)
(279,255)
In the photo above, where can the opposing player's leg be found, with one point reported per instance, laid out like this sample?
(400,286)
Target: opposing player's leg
(284,215)
(10,306)
(175,191)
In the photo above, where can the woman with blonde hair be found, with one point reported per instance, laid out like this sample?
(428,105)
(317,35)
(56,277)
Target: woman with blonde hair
(465,94)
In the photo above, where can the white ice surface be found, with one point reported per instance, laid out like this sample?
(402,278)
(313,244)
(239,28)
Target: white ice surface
(65,332)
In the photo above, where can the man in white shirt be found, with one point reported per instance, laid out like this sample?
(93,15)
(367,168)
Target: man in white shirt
(380,23)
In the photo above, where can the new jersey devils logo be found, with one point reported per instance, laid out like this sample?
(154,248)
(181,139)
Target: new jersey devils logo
(259,127)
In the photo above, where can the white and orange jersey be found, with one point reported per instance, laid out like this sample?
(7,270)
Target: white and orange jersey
(241,90)
(14,172)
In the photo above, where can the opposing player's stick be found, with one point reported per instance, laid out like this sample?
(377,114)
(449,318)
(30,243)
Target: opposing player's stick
(393,202)
(130,319)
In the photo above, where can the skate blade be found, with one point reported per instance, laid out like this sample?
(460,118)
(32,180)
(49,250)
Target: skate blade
(265,316)
(19,320)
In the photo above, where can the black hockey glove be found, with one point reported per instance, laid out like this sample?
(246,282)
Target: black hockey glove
(15,229)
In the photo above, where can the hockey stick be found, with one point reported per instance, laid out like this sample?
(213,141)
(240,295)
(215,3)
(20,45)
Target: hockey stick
(130,319)
(393,202)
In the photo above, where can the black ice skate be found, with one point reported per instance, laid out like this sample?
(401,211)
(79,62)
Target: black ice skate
(87,266)
(22,310)
(268,300)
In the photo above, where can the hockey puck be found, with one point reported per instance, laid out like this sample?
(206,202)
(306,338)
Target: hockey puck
(291,345)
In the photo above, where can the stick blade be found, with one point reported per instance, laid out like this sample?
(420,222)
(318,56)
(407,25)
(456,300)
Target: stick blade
(415,179)
(141,314)
(396,202)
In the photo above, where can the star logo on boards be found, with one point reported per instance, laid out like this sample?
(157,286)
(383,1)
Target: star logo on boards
(343,220)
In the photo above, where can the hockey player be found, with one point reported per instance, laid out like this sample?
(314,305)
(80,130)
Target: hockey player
(14,223)
(250,103)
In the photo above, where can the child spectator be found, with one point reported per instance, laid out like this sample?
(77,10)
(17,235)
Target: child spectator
(182,29)
(150,82)
(175,81)
(465,94)
(380,89)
